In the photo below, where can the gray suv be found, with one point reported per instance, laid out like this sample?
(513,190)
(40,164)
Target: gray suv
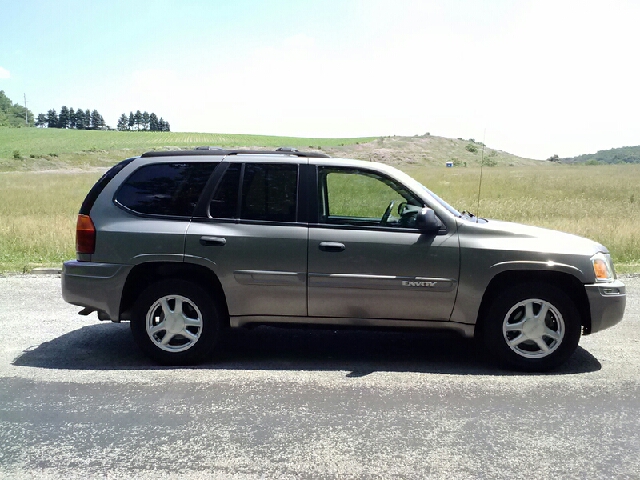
(186,244)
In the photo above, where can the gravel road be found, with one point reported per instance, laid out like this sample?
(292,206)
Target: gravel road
(78,400)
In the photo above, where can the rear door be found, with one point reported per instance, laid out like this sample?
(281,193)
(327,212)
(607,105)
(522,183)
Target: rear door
(251,236)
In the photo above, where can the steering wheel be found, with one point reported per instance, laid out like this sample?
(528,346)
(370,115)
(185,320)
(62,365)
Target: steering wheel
(387,213)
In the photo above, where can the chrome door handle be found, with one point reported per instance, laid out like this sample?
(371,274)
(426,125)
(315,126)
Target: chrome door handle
(331,246)
(213,241)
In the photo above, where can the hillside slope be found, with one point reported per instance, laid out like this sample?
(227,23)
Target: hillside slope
(613,155)
(428,150)
(36,149)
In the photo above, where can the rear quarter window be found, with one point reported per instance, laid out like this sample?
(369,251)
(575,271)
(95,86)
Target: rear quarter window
(167,189)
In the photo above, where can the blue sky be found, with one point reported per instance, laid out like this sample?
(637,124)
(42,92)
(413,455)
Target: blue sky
(539,77)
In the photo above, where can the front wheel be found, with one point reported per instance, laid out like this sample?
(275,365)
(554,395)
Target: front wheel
(532,327)
(175,322)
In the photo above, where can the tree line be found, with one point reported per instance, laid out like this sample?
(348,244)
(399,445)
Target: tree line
(13,114)
(69,118)
(142,121)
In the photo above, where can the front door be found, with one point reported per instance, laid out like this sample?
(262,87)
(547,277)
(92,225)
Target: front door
(367,260)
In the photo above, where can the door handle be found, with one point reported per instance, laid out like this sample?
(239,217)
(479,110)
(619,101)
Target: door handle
(213,241)
(331,246)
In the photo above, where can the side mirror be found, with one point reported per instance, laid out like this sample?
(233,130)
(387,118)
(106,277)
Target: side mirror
(427,222)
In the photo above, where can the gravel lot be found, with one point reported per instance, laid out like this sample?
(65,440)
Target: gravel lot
(78,400)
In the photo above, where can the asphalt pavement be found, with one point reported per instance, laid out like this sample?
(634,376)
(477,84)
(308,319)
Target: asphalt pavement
(78,400)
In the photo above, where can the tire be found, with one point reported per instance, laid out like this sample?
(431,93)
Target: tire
(175,322)
(518,337)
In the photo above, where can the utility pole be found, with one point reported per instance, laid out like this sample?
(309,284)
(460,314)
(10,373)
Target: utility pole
(26,118)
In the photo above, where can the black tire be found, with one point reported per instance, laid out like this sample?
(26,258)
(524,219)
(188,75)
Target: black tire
(539,344)
(176,336)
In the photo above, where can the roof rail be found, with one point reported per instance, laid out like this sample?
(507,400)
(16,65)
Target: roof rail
(208,148)
(224,152)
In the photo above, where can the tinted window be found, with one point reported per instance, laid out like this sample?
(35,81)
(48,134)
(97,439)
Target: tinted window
(269,192)
(165,188)
(100,184)
(224,203)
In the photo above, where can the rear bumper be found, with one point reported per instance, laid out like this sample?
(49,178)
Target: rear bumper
(94,285)
(607,302)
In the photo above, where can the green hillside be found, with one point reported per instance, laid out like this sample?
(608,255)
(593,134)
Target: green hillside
(45,149)
(614,155)
(44,141)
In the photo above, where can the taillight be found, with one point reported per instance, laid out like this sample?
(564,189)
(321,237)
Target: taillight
(85,235)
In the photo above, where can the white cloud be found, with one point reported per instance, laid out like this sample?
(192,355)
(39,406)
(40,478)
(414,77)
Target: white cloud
(4,73)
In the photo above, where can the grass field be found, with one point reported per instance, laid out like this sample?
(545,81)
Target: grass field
(41,148)
(598,202)
(38,209)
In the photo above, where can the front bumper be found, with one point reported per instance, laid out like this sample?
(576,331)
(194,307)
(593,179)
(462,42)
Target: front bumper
(94,285)
(606,302)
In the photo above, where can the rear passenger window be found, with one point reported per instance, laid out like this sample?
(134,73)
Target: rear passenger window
(269,192)
(224,203)
(165,188)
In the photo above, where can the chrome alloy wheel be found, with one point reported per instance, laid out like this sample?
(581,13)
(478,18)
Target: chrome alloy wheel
(174,323)
(533,328)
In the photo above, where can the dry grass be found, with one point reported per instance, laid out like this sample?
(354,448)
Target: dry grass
(598,202)
(38,210)
(37,217)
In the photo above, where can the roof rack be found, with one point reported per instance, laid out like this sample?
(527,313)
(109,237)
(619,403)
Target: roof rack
(205,150)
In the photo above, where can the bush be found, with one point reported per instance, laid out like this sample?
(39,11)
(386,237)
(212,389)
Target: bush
(489,162)
(471,148)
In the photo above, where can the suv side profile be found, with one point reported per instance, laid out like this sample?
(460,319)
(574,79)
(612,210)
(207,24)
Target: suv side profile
(185,244)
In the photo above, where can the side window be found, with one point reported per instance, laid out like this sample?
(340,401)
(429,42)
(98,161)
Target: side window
(165,188)
(363,198)
(269,192)
(224,203)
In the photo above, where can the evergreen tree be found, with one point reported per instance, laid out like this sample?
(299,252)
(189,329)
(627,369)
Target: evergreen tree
(81,122)
(138,119)
(42,120)
(145,120)
(123,123)
(87,119)
(52,119)
(63,117)
(153,122)
(72,118)
(132,121)
(96,120)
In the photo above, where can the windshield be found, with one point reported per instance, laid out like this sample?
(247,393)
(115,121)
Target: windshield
(443,203)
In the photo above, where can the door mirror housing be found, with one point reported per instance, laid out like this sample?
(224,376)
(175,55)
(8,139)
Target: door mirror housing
(427,222)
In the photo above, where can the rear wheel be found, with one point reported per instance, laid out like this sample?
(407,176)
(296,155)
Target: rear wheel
(533,327)
(175,322)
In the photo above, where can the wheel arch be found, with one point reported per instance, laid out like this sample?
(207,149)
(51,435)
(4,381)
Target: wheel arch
(564,281)
(143,275)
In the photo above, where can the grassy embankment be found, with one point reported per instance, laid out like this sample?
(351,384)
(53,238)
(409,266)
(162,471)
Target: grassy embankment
(42,149)
(38,210)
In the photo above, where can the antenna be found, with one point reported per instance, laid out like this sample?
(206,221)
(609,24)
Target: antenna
(484,136)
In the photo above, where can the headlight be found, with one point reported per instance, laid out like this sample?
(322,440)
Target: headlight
(603,267)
